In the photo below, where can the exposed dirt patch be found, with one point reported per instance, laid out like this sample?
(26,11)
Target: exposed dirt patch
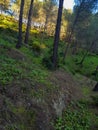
(15,54)
(67,84)
(12,53)
(47,109)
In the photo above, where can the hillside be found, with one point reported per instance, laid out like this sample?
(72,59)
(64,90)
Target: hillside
(33,97)
(28,88)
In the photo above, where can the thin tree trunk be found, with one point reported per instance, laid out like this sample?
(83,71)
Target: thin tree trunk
(19,43)
(57,35)
(74,49)
(46,22)
(45,30)
(67,47)
(72,30)
(81,62)
(29,22)
(85,55)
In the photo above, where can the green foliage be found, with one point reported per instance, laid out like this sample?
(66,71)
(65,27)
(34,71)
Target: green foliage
(38,74)
(47,59)
(74,119)
(88,67)
(47,62)
(8,71)
(95,100)
(4,5)
(36,46)
(11,127)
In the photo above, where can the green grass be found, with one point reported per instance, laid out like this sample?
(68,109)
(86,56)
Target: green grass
(88,67)
(76,117)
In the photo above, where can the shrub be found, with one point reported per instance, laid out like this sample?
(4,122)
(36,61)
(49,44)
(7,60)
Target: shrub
(36,46)
(47,62)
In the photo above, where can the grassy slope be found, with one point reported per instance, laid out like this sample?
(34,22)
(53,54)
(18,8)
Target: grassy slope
(22,76)
(88,67)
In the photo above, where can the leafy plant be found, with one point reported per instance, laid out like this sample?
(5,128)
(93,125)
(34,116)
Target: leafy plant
(78,119)
(9,70)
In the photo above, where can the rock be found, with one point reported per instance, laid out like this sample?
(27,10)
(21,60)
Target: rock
(59,105)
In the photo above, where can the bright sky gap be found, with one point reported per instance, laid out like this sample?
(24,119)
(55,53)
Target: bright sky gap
(68,4)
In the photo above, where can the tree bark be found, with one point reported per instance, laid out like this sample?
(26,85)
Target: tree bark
(19,43)
(96,87)
(29,22)
(57,35)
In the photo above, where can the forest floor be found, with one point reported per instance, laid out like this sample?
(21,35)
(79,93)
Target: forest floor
(35,98)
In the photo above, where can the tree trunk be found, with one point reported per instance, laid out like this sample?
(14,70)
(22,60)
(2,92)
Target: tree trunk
(75,48)
(57,35)
(46,22)
(45,30)
(85,55)
(96,87)
(72,30)
(19,43)
(81,62)
(29,22)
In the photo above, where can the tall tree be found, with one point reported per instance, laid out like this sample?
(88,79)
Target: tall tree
(19,43)
(49,11)
(57,35)
(29,22)
(82,11)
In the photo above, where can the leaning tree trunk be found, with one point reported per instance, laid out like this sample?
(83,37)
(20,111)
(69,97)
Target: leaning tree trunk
(29,22)
(85,55)
(95,87)
(72,30)
(57,35)
(19,43)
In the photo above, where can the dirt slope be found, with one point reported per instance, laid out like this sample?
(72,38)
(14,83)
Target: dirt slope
(26,104)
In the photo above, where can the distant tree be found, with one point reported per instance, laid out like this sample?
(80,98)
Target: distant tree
(82,11)
(57,35)
(19,43)
(29,22)
(87,36)
(67,19)
(16,7)
(48,9)
(36,8)
(4,5)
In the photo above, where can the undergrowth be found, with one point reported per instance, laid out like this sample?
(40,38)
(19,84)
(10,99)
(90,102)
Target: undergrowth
(8,71)
(76,117)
